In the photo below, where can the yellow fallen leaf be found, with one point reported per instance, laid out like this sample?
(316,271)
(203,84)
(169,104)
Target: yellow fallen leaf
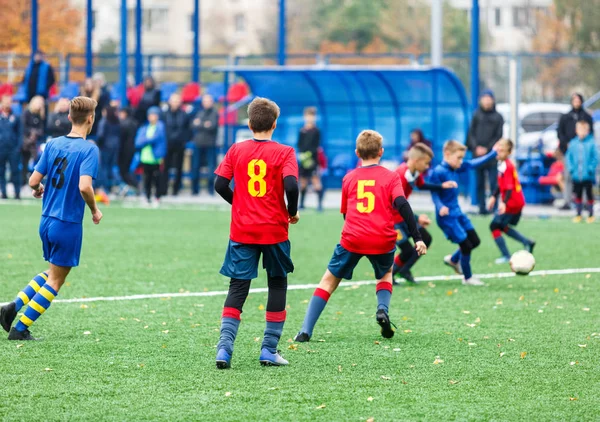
(321,340)
(472,344)
(556,290)
(540,311)
(47,369)
(572,398)
(261,307)
(256,338)
(321,406)
(573,363)
(383,377)
(137,320)
(145,326)
(305,301)
(397,349)
(499,301)
(165,331)
(83,306)
(466,312)
(293,347)
(511,339)
(453,382)
(502,354)
(437,361)
(470,325)
(339,368)
(19,346)
(9,256)
(377,342)
(408,331)
(87,333)
(369,398)
(228,393)
(477,320)
(521,297)
(449,293)
(588,275)
(371,420)
(586,309)
(582,345)
(523,354)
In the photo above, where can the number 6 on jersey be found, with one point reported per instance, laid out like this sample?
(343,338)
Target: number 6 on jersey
(257,178)
(362,195)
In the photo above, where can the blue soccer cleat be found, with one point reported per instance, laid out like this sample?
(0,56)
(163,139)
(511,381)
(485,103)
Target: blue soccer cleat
(223,359)
(271,359)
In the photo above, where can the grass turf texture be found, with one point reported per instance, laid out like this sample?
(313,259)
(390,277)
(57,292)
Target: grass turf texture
(520,348)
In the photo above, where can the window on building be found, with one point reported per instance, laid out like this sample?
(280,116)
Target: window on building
(520,17)
(156,19)
(240,23)
(498,16)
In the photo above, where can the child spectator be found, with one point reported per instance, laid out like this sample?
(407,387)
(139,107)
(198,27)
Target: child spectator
(581,162)
(151,141)
(109,134)
(58,122)
(33,131)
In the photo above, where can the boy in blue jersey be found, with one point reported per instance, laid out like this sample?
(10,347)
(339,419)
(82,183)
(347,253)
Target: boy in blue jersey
(70,164)
(454,223)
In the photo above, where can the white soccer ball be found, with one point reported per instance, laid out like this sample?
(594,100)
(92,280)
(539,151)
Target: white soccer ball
(522,262)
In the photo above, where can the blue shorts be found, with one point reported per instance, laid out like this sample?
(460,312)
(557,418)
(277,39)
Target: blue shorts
(241,260)
(505,220)
(343,262)
(61,241)
(403,234)
(455,228)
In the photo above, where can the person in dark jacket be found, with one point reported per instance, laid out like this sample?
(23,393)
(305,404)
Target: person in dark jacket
(150,98)
(127,148)
(33,133)
(58,123)
(39,77)
(109,138)
(177,125)
(309,141)
(10,140)
(205,127)
(566,132)
(484,132)
(100,87)
(416,137)
(151,141)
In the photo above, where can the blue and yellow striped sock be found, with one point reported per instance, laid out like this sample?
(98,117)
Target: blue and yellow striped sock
(38,305)
(30,290)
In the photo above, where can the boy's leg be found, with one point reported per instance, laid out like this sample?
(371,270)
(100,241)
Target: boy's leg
(9,311)
(589,198)
(497,226)
(276,313)
(148,181)
(318,187)
(232,310)
(578,190)
(382,267)
(303,188)
(413,255)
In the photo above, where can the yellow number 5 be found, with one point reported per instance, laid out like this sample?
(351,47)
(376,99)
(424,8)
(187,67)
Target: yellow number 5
(257,178)
(369,196)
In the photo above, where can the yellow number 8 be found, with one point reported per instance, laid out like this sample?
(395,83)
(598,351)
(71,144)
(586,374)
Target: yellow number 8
(257,178)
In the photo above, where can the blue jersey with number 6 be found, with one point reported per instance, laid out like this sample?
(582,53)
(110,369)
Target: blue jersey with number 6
(64,161)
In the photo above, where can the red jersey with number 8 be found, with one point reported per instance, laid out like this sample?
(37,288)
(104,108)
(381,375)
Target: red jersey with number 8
(368,194)
(259,214)
(508,180)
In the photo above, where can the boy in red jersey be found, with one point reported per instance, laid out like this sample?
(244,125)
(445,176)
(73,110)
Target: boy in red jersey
(370,193)
(264,171)
(510,204)
(411,175)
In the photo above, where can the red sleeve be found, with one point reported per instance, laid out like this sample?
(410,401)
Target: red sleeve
(290,166)
(396,187)
(344,205)
(420,181)
(225,169)
(508,181)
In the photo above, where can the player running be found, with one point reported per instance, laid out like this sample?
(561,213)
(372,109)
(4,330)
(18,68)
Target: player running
(70,164)
(370,193)
(264,171)
(510,203)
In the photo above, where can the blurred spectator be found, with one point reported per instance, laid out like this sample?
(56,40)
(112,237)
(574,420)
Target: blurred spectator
(39,77)
(109,138)
(10,138)
(555,176)
(309,141)
(177,125)
(150,98)
(58,123)
(33,132)
(416,137)
(127,148)
(100,87)
(205,126)
(581,161)
(151,141)
(566,132)
(484,132)
(91,90)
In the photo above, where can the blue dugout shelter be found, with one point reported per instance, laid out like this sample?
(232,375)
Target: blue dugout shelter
(391,100)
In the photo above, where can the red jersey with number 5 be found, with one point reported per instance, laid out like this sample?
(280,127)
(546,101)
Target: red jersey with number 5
(508,179)
(368,194)
(259,214)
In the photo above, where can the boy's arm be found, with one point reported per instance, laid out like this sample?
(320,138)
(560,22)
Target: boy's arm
(477,162)
(435,179)
(224,175)
(223,189)
(87,192)
(405,210)
(290,185)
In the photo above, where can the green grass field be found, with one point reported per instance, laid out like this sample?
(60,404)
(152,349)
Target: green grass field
(523,348)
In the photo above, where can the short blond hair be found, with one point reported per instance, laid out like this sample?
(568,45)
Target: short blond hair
(419,150)
(507,143)
(368,144)
(81,108)
(452,146)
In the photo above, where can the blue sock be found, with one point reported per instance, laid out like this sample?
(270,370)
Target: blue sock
(579,207)
(315,307)
(37,306)
(410,261)
(465,263)
(455,257)
(517,236)
(501,243)
(30,290)
(230,322)
(320,195)
(590,207)
(384,295)
(273,330)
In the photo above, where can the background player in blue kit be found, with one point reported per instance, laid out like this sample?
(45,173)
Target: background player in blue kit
(454,223)
(70,164)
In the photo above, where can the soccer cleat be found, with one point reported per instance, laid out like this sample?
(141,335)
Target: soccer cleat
(387,331)
(577,219)
(473,281)
(590,219)
(502,260)
(302,337)
(529,247)
(8,314)
(271,359)
(20,335)
(407,275)
(223,359)
(456,267)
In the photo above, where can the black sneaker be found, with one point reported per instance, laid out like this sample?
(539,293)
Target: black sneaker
(387,331)
(302,337)
(530,246)
(407,275)
(8,314)
(20,335)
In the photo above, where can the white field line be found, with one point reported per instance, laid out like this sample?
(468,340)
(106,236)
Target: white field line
(312,286)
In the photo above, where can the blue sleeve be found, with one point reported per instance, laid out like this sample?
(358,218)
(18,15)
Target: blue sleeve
(476,162)
(89,165)
(568,159)
(42,165)
(140,138)
(593,160)
(435,195)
